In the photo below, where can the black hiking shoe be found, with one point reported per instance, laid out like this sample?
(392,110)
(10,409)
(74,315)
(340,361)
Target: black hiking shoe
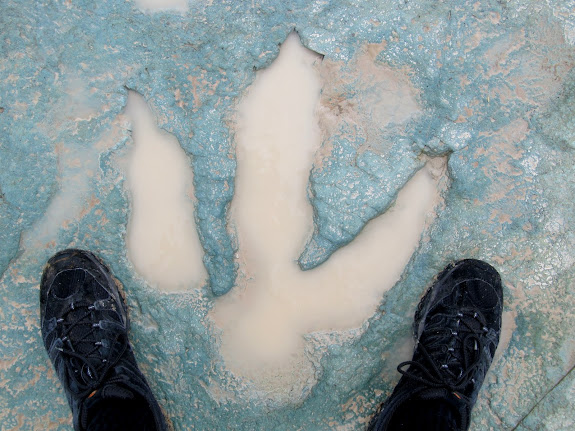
(456,327)
(85,331)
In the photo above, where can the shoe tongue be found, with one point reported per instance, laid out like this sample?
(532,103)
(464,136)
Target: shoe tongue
(115,391)
(453,398)
(111,391)
(458,404)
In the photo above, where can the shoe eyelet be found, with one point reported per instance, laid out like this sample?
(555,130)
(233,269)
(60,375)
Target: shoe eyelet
(445,366)
(96,325)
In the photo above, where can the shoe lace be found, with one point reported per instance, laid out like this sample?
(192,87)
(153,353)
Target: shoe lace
(83,348)
(451,350)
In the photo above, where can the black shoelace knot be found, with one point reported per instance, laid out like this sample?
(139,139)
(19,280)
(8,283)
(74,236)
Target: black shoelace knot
(89,356)
(451,347)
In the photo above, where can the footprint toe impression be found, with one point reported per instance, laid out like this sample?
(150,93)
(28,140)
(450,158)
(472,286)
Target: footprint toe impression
(162,240)
(274,303)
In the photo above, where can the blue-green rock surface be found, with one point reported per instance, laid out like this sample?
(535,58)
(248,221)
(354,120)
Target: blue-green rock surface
(496,88)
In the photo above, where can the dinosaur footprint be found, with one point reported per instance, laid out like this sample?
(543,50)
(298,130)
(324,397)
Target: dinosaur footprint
(275,303)
(263,320)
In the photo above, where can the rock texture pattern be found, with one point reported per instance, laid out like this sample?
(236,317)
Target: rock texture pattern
(489,84)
